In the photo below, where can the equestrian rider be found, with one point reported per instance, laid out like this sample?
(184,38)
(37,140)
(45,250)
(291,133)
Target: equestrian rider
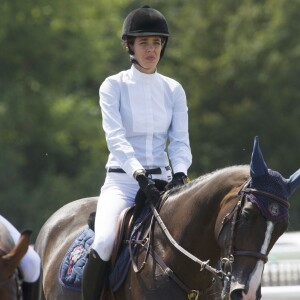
(143,114)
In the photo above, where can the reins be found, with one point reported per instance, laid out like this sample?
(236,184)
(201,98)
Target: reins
(203,264)
(192,294)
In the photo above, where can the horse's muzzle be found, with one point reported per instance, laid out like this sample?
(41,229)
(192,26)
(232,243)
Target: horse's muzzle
(238,292)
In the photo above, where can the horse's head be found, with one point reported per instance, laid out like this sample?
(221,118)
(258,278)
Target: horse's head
(10,256)
(252,227)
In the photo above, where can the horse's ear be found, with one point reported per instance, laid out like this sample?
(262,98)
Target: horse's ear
(11,260)
(258,166)
(294,181)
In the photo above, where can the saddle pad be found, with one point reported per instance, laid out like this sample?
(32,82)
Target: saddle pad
(70,272)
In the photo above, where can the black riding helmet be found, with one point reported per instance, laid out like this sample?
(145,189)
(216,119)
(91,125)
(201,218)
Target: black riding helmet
(145,21)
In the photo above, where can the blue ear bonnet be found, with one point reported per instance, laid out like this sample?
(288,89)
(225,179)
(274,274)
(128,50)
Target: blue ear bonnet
(272,183)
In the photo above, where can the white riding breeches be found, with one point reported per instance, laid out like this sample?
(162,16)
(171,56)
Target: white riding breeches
(30,264)
(117,193)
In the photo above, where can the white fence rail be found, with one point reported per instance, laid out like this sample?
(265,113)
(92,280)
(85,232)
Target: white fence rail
(281,292)
(282,274)
(281,278)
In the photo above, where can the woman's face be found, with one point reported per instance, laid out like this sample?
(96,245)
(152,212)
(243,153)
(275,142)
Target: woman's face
(147,52)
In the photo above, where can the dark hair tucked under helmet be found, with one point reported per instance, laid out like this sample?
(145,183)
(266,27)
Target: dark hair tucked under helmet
(146,21)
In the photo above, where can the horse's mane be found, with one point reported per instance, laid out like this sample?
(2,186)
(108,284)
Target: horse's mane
(225,172)
(222,175)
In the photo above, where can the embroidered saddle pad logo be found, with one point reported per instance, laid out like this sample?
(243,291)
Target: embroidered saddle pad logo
(75,255)
(70,272)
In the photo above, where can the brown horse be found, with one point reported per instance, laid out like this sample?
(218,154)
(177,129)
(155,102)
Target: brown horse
(10,257)
(218,228)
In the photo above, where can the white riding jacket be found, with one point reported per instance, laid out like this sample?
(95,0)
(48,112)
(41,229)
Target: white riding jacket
(139,113)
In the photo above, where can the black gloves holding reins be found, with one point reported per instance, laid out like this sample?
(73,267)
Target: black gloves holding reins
(179,179)
(147,185)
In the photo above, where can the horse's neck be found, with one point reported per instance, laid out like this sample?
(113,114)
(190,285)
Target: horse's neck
(191,217)
(195,214)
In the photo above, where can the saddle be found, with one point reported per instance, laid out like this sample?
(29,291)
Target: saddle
(70,272)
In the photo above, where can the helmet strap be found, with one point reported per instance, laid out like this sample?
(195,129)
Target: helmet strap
(131,56)
(134,61)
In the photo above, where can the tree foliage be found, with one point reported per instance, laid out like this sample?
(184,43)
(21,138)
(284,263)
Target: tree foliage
(237,60)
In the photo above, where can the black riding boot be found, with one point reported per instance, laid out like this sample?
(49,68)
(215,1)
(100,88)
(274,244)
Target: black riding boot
(30,290)
(93,278)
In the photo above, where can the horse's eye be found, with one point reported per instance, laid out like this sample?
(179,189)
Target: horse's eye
(249,214)
(245,215)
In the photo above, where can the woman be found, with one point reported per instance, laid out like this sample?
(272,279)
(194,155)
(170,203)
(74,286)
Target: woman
(141,111)
(30,265)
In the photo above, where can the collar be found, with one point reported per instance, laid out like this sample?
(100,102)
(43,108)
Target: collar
(140,75)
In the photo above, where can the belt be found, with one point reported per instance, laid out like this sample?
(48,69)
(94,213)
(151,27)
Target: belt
(151,171)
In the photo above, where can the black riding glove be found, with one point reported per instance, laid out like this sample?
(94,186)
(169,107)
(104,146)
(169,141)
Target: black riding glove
(148,186)
(179,179)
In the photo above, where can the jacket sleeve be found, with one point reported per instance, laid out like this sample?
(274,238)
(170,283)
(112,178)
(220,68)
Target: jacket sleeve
(110,97)
(179,150)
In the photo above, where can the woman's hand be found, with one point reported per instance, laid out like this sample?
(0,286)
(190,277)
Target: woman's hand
(179,179)
(147,185)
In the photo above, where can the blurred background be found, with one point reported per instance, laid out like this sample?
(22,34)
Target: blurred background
(238,61)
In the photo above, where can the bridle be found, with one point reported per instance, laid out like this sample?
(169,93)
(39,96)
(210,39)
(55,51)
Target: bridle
(226,262)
